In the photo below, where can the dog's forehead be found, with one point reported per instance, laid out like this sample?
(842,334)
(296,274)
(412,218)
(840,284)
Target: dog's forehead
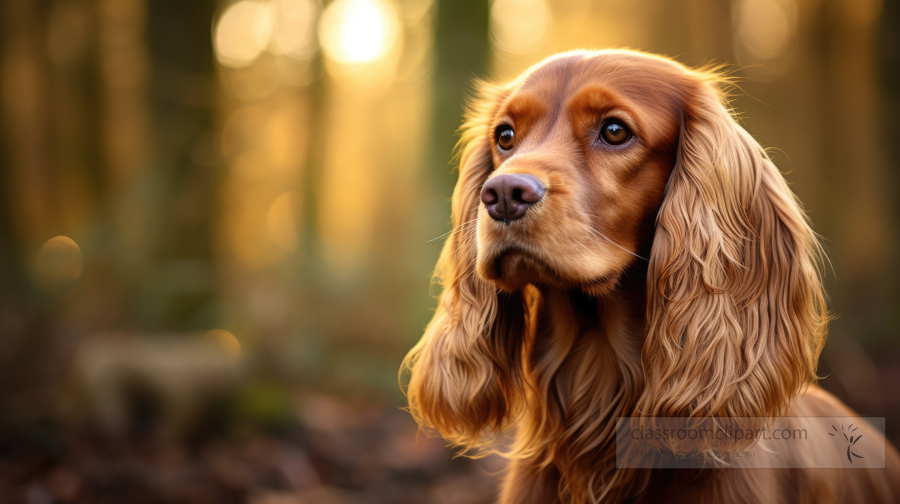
(631,74)
(552,75)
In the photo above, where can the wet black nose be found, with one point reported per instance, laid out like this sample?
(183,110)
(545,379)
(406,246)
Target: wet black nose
(507,196)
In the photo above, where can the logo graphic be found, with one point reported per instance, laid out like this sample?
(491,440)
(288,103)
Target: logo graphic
(851,440)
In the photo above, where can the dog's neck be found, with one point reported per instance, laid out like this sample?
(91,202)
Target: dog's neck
(595,339)
(584,367)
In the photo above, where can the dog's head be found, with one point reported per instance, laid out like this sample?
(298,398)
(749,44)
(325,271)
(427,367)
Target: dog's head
(576,155)
(594,168)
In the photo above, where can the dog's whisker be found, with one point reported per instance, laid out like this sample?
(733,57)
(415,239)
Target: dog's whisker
(452,230)
(582,245)
(466,235)
(598,233)
(467,230)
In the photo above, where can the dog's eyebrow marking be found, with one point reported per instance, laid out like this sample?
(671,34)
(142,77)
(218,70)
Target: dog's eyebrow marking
(524,110)
(596,101)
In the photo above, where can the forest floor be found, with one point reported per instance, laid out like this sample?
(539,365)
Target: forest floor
(337,453)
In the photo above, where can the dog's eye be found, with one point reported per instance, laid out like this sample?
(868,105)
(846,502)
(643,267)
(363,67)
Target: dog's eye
(614,132)
(505,137)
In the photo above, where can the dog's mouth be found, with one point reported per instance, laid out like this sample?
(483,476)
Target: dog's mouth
(514,266)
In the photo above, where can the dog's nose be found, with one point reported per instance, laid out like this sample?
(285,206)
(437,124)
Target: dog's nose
(507,196)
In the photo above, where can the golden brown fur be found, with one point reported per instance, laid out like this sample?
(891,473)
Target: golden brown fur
(553,325)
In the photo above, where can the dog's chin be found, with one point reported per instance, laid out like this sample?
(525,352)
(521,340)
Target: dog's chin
(513,269)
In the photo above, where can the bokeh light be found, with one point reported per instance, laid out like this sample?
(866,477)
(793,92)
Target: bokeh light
(243,32)
(765,27)
(226,341)
(59,262)
(357,31)
(295,34)
(520,26)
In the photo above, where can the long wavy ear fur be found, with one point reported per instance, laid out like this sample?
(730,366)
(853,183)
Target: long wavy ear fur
(736,312)
(465,374)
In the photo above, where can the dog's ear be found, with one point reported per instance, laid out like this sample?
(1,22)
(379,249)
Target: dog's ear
(736,312)
(465,374)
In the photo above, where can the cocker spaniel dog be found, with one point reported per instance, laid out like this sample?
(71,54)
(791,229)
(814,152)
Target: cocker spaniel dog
(623,248)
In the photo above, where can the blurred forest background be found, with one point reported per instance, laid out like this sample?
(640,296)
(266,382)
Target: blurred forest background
(215,223)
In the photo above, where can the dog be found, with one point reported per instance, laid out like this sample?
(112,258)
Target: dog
(623,248)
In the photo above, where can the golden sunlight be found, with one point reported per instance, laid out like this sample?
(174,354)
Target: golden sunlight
(357,31)
(281,222)
(243,32)
(520,26)
(349,194)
